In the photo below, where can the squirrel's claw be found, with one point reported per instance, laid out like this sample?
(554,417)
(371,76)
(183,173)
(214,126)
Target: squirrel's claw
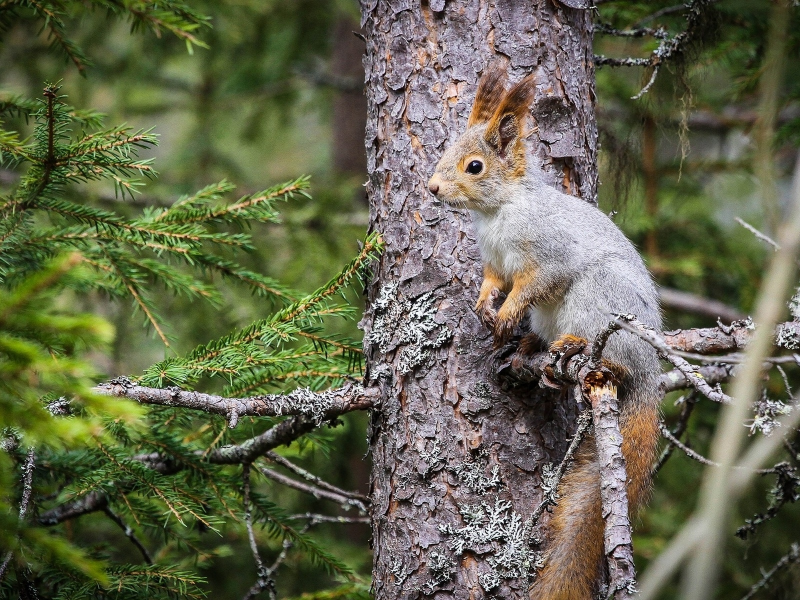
(561,351)
(486,310)
(503,330)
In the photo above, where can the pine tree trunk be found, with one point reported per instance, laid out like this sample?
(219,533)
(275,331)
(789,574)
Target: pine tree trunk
(458,461)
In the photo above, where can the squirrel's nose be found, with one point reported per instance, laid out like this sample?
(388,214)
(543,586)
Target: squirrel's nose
(433,185)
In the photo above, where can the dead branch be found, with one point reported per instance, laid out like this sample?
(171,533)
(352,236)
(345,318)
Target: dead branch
(317,518)
(688,403)
(285,462)
(126,529)
(313,490)
(264,576)
(553,478)
(613,492)
(631,325)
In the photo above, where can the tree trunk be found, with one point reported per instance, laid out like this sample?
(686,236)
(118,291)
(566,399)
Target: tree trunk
(458,461)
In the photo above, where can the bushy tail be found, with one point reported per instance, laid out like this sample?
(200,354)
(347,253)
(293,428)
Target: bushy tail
(575,557)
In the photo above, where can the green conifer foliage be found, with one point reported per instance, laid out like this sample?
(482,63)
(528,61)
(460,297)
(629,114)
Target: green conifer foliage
(174,481)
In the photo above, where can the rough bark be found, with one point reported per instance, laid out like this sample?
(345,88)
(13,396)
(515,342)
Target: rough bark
(613,478)
(458,461)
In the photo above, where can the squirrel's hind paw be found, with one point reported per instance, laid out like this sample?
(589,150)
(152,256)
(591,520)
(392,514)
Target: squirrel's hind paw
(567,343)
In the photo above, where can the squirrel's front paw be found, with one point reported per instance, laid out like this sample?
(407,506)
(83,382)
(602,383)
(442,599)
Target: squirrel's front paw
(503,330)
(486,310)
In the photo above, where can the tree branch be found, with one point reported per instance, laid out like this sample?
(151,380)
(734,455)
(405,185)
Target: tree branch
(613,477)
(318,406)
(277,458)
(129,534)
(698,305)
(315,491)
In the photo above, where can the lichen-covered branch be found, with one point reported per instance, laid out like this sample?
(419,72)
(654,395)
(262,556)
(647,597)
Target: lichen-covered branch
(316,406)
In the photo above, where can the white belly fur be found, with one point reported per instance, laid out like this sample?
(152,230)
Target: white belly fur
(543,321)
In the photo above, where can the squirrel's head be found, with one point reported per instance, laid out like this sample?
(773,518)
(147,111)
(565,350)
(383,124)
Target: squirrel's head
(490,154)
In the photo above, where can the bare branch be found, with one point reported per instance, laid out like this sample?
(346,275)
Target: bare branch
(129,534)
(689,371)
(712,374)
(687,407)
(550,487)
(762,236)
(698,305)
(264,580)
(317,492)
(277,458)
(317,518)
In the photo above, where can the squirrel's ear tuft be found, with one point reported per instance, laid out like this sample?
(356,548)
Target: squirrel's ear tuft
(509,116)
(491,89)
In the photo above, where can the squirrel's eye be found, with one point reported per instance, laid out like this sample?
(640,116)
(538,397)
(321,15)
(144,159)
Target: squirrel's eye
(474,167)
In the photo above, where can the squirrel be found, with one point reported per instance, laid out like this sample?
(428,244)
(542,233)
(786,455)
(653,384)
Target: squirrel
(565,267)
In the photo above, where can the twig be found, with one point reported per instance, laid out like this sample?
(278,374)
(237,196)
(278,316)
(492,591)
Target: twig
(317,518)
(129,533)
(785,490)
(550,487)
(790,557)
(27,489)
(317,492)
(277,458)
(762,236)
(686,450)
(688,404)
(785,382)
(649,84)
(636,32)
(613,493)
(660,13)
(264,581)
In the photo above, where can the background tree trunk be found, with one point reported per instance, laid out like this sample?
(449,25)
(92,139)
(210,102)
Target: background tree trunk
(457,461)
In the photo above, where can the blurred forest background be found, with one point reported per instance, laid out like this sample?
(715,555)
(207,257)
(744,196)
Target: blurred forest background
(273,91)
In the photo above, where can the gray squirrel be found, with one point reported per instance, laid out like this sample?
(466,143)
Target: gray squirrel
(565,267)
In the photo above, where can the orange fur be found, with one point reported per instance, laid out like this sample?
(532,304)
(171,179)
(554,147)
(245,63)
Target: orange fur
(519,298)
(491,280)
(566,340)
